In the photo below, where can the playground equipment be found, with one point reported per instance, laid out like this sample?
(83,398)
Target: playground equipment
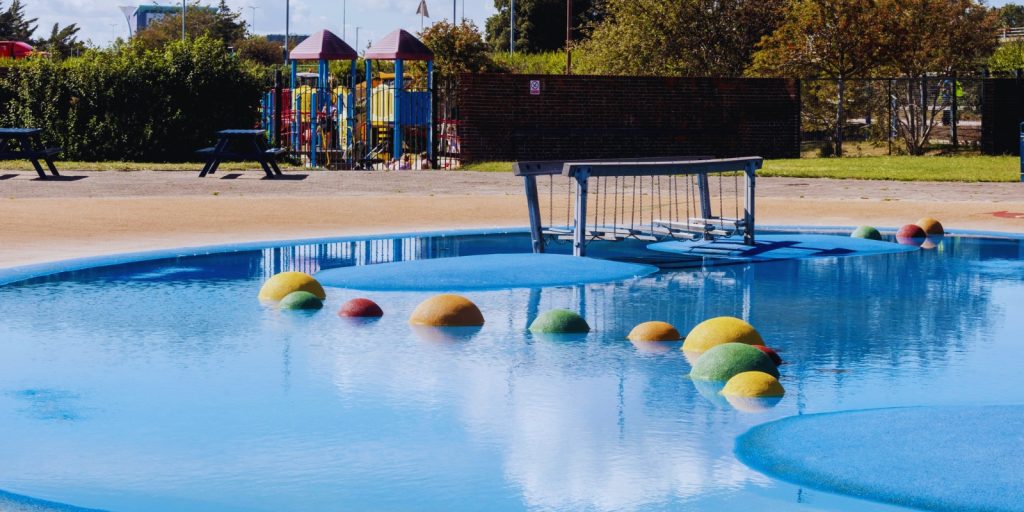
(321,117)
(399,116)
(652,199)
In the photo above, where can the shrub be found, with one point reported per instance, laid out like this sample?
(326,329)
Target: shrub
(130,103)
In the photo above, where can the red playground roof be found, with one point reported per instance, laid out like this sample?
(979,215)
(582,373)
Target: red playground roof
(323,45)
(399,45)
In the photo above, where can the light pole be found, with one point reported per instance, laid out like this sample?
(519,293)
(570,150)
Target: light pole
(512,27)
(357,39)
(252,27)
(568,37)
(183,9)
(344,17)
(287,27)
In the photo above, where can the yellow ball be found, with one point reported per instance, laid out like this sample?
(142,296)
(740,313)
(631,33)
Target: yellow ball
(931,226)
(753,385)
(287,282)
(716,331)
(447,310)
(654,331)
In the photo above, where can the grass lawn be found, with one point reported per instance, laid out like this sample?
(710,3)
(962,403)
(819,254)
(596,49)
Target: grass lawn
(896,168)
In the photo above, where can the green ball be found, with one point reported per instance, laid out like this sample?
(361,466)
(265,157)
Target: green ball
(559,320)
(300,300)
(866,232)
(722,362)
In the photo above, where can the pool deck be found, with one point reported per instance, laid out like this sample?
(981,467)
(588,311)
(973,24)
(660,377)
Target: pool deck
(109,212)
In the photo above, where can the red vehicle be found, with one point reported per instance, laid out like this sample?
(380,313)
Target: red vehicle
(15,49)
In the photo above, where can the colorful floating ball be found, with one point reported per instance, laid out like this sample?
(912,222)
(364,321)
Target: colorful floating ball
(910,234)
(931,226)
(287,282)
(867,232)
(360,308)
(722,362)
(771,353)
(447,310)
(753,384)
(654,331)
(559,321)
(719,330)
(300,300)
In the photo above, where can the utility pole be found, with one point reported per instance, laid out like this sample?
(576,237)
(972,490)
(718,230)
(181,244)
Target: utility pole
(287,27)
(512,27)
(344,18)
(568,37)
(183,9)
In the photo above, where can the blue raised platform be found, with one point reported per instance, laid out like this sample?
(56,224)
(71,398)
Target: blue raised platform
(782,247)
(482,272)
(934,458)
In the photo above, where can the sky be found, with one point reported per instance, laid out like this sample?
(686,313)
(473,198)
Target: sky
(101,20)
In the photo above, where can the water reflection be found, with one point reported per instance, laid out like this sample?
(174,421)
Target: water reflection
(238,402)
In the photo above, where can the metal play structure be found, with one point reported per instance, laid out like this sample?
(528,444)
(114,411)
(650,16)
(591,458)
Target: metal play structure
(380,119)
(651,199)
(399,120)
(320,116)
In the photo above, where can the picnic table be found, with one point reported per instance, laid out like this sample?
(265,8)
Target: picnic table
(241,145)
(25,143)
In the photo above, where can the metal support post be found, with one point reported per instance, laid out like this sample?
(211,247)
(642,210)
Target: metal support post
(396,112)
(533,206)
(579,244)
(748,209)
(705,195)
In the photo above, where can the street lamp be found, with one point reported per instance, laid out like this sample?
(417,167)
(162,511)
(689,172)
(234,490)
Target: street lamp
(252,27)
(183,9)
(512,28)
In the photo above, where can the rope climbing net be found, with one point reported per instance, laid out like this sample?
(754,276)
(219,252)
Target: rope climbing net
(652,199)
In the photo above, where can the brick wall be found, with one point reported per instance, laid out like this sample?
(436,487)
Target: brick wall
(607,117)
(1002,111)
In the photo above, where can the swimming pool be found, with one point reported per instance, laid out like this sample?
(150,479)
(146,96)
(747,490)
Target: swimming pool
(163,384)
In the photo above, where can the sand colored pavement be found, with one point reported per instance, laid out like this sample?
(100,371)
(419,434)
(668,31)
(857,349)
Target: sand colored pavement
(111,212)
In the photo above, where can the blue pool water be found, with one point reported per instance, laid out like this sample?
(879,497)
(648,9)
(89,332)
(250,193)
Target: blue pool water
(165,385)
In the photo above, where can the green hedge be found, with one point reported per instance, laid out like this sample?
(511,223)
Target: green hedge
(133,104)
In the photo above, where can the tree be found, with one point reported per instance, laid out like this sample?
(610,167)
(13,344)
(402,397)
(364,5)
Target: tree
(682,37)
(13,24)
(944,37)
(260,50)
(540,24)
(219,23)
(1011,15)
(457,48)
(1008,57)
(62,43)
(838,39)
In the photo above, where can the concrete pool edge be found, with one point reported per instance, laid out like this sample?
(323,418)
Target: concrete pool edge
(10,275)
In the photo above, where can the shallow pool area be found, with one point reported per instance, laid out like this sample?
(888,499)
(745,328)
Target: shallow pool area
(164,384)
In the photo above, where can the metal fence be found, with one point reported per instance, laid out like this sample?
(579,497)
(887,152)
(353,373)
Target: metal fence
(891,115)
